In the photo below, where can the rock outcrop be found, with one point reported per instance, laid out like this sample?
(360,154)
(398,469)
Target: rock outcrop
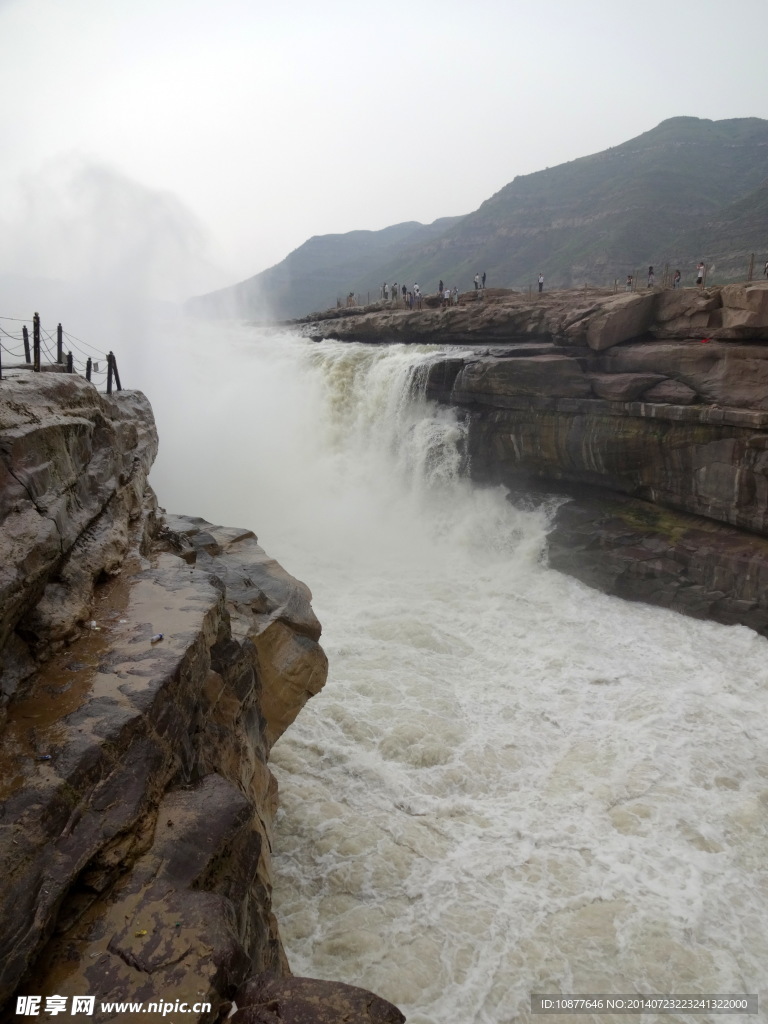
(588,318)
(73,500)
(148,663)
(650,411)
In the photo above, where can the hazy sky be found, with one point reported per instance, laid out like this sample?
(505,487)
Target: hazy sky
(199,142)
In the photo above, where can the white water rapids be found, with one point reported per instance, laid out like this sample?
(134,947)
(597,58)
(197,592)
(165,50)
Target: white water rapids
(511,783)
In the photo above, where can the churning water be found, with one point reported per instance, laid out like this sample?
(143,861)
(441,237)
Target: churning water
(511,783)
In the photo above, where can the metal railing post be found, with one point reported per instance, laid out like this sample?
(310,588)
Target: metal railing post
(36,342)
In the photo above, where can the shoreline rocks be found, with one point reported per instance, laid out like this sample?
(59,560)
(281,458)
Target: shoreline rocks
(147,664)
(638,407)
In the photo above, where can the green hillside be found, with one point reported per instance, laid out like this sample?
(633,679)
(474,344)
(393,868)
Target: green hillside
(687,190)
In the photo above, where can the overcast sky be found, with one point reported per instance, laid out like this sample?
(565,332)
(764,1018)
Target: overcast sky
(199,142)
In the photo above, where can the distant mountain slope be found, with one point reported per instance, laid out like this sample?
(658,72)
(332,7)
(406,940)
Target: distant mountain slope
(647,201)
(317,273)
(687,190)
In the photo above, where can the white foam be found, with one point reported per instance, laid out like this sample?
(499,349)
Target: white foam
(511,783)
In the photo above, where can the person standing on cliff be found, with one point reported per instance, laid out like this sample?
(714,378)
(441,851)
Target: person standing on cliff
(405,294)
(699,274)
(628,285)
(541,282)
(440,286)
(477,282)
(676,279)
(394,293)
(483,279)
(651,277)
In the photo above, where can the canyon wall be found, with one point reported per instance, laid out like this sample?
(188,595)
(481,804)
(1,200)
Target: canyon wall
(647,411)
(147,664)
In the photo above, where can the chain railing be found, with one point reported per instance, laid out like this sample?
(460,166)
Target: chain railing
(44,352)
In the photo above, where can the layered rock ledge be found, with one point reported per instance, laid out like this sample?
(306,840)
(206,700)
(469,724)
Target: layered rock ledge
(147,663)
(649,411)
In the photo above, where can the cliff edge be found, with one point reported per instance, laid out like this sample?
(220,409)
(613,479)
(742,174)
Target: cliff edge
(147,664)
(647,411)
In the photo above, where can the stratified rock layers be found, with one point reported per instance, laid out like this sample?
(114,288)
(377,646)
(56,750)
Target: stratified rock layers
(649,410)
(147,667)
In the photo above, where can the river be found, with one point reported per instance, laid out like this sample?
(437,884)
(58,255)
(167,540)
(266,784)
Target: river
(511,783)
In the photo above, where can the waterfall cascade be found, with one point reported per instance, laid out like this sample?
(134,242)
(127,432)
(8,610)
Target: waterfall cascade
(511,783)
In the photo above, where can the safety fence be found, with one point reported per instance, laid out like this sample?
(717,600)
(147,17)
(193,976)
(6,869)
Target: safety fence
(732,268)
(44,352)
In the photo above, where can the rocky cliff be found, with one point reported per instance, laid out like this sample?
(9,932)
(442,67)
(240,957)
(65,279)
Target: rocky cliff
(147,664)
(649,411)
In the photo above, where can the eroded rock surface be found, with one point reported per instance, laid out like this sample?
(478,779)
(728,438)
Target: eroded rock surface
(660,397)
(271,1000)
(73,504)
(592,318)
(148,666)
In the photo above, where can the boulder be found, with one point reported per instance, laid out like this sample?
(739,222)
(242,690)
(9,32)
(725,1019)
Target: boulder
(676,303)
(489,380)
(622,387)
(671,392)
(740,317)
(270,614)
(730,375)
(271,1000)
(621,319)
(752,297)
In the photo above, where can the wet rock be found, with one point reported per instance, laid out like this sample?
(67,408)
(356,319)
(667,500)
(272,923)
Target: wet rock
(641,552)
(270,1000)
(73,501)
(269,609)
(491,381)
(133,764)
(190,915)
(118,739)
(690,459)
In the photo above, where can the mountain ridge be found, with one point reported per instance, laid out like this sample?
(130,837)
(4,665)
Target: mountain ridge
(689,189)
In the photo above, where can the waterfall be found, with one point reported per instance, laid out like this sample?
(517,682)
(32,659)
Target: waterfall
(511,783)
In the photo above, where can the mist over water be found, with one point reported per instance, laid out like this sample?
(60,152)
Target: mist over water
(511,783)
